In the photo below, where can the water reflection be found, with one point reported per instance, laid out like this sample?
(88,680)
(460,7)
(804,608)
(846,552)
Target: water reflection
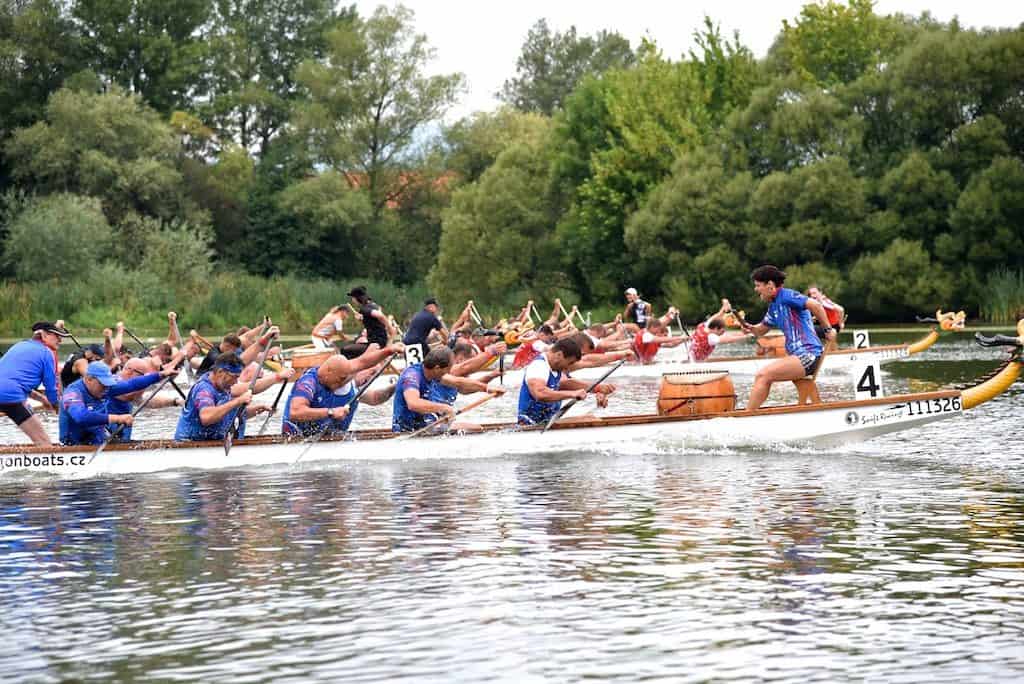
(901,558)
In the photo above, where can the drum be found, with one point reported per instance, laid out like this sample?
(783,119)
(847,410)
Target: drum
(693,393)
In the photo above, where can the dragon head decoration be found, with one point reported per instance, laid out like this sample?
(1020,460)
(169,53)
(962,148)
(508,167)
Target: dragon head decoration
(950,321)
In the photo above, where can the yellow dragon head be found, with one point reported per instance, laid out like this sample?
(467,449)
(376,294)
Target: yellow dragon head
(950,321)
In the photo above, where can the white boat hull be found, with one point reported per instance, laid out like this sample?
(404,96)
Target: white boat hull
(821,425)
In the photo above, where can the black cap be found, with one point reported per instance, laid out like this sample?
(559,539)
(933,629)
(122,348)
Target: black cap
(94,348)
(357,291)
(430,300)
(46,326)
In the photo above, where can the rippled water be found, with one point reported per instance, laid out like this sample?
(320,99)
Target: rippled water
(899,560)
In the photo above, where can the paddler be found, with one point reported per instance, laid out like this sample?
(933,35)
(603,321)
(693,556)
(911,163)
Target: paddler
(329,328)
(321,398)
(210,406)
(546,383)
(791,312)
(84,412)
(23,368)
(414,408)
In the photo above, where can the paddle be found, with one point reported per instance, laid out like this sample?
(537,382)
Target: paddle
(145,350)
(570,403)
(273,408)
(366,385)
(450,416)
(474,314)
(120,428)
(189,372)
(236,420)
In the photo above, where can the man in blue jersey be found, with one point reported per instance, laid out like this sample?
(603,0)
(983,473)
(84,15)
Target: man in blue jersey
(546,383)
(321,399)
(414,408)
(84,413)
(210,406)
(791,312)
(24,367)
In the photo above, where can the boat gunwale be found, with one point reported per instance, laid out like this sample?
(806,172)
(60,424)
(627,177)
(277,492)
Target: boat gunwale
(376,434)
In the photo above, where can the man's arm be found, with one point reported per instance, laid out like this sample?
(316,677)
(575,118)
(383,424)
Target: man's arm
(478,361)
(574,389)
(469,385)
(418,404)
(211,415)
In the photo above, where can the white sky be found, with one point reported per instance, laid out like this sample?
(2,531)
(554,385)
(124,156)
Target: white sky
(482,38)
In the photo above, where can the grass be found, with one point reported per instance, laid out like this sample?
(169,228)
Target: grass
(1002,299)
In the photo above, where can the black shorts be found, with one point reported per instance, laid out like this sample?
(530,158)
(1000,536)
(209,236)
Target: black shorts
(17,412)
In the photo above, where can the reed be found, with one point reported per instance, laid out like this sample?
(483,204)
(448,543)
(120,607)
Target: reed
(1002,298)
(109,293)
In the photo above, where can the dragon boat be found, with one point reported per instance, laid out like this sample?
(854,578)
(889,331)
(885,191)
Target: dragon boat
(692,411)
(838,362)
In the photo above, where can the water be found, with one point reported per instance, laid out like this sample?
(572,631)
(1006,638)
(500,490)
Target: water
(901,559)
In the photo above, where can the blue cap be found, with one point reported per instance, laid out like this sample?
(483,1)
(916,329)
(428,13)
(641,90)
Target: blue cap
(101,371)
(232,363)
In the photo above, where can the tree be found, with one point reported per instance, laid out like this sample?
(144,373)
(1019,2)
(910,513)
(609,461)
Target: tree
(110,146)
(898,282)
(368,99)
(496,240)
(552,64)
(149,47)
(39,49)
(986,222)
(831,44)
(55,235)
(474,143)
(252,63)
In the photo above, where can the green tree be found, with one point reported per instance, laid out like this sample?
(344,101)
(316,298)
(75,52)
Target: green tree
(368,99)
(552,64)
(917,201)
(252,63)
(149,47)
(496,240)
(53,236)
(473,144)
(986,222)
(832,44)
(645,117)
(110,146)
(898,283)
(727,70)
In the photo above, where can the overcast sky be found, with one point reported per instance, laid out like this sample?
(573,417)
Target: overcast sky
(482,38)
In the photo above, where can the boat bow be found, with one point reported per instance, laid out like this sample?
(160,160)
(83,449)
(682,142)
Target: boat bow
(999,380)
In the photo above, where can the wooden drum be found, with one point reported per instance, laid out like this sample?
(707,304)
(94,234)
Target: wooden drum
(698,392)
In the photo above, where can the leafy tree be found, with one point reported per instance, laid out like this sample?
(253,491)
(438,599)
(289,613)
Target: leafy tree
(898,282)
(149,47)
(496,242)
(827,278)
(252,62)
(832,44)
(552,64)
(368,99)
(648,115)
(55,235)
(917,201)
(110,146)
(474,143)
(986,223)
(727,70)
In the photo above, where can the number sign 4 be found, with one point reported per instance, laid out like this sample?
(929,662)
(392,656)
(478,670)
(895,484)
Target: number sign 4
(869,382)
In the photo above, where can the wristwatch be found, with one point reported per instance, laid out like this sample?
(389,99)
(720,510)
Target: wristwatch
(330,413)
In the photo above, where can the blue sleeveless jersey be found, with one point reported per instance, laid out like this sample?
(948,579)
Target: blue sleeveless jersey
(202,395)
(318,396)
(403,419)
(533,411)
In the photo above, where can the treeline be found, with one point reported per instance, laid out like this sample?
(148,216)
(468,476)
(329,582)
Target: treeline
(159,153)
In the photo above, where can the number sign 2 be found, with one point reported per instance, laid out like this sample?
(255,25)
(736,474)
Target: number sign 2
(861,340)
(869,382)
